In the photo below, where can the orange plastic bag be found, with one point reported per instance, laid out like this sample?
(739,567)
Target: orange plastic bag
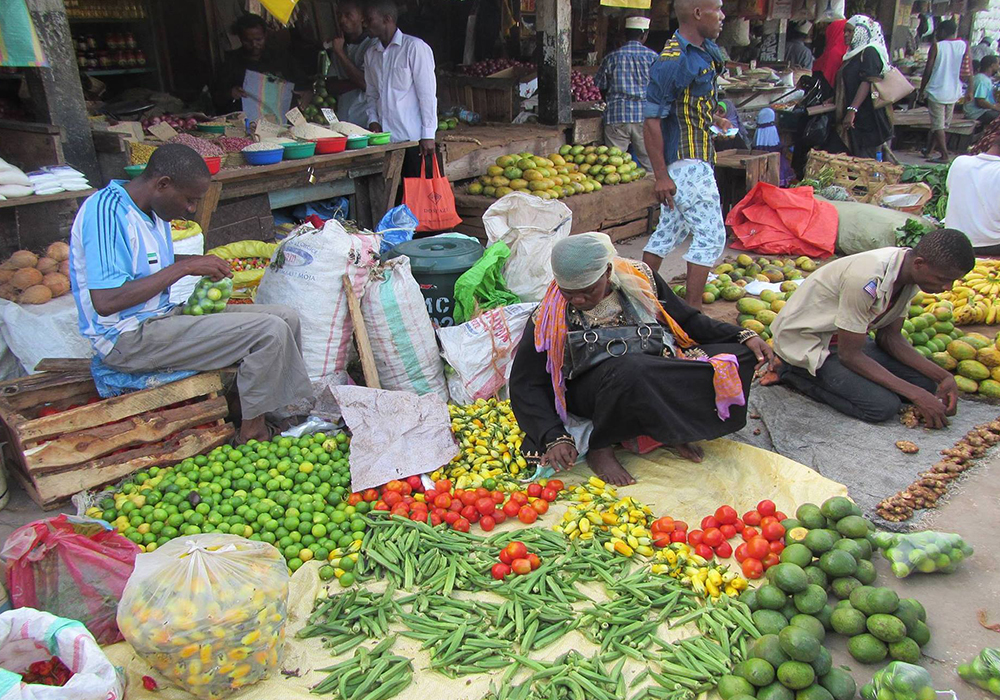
(431,199)
(776,221)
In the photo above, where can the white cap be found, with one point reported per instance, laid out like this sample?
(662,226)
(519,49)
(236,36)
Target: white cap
(637,23)
(804,27)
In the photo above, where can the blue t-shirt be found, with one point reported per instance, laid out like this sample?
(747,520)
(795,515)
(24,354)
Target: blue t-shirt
(682,93)
(113,242)
(982,87)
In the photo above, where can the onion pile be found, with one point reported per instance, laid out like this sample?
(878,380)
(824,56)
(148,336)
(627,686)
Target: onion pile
(481,69)
(583,88)
(204,147)
(173,120)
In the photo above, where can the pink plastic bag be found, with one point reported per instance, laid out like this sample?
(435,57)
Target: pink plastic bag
(73,567)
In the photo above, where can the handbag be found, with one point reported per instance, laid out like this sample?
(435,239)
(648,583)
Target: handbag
(592,346)
(431,199)
(890,88)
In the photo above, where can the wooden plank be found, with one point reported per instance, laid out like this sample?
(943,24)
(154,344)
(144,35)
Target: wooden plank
(46,388)
(30,127)
(119,407)
(30,146)
(79,448)
(36,199)
(59,486)
(587,130)
(361,336)
(63,364)
(207,205)
(344,158)
(392,174)
(630,229)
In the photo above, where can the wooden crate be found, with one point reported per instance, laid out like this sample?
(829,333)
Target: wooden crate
(621,211)
(863,178)
(495,99)
(56,456)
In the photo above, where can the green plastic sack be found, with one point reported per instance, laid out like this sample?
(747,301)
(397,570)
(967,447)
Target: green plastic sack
(926,551)
(483,285)
(900,681)
(984,671)
(245,249)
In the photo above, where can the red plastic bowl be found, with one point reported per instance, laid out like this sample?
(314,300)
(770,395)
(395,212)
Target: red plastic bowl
(334,144)
(214,164)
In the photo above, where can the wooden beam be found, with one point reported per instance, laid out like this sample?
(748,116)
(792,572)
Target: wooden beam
(207,205)
(554,39)
(361,336)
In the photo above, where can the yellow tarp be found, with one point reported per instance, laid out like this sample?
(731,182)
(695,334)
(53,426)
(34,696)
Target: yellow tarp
(732,473)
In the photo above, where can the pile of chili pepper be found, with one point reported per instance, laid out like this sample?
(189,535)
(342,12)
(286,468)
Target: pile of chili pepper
(51,672)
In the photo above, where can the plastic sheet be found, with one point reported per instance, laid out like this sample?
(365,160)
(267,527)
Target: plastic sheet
(925,552)
(900,681)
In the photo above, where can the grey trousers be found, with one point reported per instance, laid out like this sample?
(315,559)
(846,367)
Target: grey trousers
(266,342)
(621,135)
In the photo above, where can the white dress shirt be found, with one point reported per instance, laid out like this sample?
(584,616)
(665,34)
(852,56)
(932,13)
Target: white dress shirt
(401,88)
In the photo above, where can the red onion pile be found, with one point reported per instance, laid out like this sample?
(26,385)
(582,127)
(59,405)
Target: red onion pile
(204,147)
(481,69)
(173,120)
(583,88)
(232,144)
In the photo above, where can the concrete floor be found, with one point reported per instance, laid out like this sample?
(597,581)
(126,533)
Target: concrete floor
(952,601)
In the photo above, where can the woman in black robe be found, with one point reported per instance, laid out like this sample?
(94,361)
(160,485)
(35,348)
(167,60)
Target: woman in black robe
(863,127)
(672,397)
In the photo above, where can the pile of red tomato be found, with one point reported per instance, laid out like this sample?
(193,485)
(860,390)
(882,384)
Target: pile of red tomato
(761,529)
(461,508)
(515,559)
(51,672)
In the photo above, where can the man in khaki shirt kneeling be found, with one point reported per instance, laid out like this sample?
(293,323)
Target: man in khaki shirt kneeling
(821,335)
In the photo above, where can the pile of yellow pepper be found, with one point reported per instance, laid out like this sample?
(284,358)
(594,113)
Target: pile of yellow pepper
(678,560)
(619,524)
(490,442)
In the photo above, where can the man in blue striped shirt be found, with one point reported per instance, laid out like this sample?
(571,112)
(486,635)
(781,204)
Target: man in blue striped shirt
(122,266)
(622,79)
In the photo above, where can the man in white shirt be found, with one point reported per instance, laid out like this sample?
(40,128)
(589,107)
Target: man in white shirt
(399,83)
(973,184)
(941,85)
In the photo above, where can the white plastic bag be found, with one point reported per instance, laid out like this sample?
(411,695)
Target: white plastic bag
(36,331)
(400,331)
(208,612)
(28,635)
(182,288)
(306,274)
(481,351)
(530,226)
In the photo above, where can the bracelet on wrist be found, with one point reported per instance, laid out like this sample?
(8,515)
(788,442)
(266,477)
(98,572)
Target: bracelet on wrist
(745,335)
(852,109)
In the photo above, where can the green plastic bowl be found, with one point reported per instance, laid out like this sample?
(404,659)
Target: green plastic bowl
(295,151)
(356,142)
(379,139)
(211,128)
(134,171)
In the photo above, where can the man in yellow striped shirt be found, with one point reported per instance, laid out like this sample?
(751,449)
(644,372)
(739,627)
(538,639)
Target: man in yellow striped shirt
(679,114)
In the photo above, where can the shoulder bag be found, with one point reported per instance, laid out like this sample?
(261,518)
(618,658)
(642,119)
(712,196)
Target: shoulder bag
(890,88)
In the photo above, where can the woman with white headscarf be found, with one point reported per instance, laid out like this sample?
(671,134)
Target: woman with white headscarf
(611,343)
(862,127)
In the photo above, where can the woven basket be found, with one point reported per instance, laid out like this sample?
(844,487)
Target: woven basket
(862,177)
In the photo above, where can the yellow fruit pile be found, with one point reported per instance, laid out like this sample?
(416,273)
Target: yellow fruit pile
(574,170)
(678,560)
(490,442)
(975,298)
(618,524)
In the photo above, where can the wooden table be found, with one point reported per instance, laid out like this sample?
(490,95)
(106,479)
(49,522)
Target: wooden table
(737,172)
(375,172)
(920,119)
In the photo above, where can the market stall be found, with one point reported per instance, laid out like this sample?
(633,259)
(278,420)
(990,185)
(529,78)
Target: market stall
(469,150)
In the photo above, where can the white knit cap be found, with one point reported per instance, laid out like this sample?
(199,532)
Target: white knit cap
(637,23)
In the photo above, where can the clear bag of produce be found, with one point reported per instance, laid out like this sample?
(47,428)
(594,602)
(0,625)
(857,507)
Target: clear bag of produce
(984,671)
(208,612)
(926,551)
(209,297)
(900,681)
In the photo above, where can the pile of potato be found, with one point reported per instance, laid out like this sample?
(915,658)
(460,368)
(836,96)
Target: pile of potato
(29,279)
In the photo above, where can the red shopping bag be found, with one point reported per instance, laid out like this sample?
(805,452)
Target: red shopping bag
(431,199)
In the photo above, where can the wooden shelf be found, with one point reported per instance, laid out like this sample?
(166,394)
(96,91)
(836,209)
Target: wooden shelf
(107,20)
(44,198)
(118,71)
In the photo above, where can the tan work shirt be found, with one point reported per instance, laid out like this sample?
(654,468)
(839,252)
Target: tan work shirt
(851,294)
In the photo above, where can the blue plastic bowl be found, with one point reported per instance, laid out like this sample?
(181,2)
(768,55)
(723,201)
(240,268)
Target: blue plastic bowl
(264,157)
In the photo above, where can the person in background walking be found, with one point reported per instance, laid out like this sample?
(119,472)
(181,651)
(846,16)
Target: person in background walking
(982,104)
(797,53)
(680,111)
(862,127)
(346,78)
(832,58)
(400,85)
(622,79)
(942,85)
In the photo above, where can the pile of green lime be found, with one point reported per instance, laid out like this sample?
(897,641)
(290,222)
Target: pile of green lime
(209,297)
(289,492)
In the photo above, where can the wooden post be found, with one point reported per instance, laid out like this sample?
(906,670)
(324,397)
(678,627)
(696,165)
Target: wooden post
(361,336)
(554,32)
(56,91)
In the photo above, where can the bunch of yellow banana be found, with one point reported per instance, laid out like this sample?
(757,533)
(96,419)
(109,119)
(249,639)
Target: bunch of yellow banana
(679,561)
(975,299)
(619,524)
(490,442)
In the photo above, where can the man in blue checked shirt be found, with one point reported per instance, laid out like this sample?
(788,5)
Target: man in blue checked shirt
(622,79)
(680,112)
(122,264)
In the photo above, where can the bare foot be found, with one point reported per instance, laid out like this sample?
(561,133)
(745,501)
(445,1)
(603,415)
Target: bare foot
(690,452)
(254,429)
(607,467)
(769,378)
